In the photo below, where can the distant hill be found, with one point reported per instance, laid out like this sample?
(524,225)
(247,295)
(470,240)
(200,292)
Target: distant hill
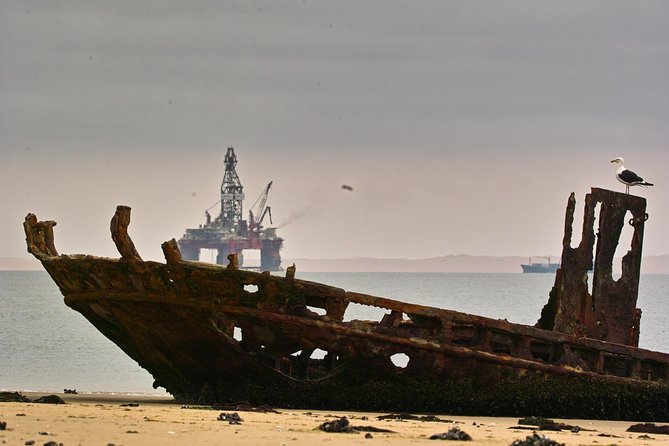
(461,263)
(452,263)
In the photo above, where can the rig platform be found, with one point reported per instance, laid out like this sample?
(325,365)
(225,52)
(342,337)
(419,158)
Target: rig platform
(229,233)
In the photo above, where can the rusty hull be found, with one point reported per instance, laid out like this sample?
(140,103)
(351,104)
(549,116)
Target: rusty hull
(179,319)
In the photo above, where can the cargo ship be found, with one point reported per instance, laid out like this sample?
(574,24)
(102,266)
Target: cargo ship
(540,267)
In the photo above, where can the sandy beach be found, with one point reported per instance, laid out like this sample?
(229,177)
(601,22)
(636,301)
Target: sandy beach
(109,419)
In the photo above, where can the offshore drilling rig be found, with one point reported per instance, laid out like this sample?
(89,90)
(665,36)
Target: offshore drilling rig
(229,233)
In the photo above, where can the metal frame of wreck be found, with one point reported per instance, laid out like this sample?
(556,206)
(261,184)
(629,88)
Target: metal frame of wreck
(430,330)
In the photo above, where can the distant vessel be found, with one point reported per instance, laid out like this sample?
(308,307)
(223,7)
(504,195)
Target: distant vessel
(540,267)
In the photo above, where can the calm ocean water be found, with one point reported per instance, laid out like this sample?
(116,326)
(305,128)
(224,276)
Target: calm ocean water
(48,347)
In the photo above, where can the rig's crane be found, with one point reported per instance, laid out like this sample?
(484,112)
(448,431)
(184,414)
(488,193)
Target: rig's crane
(255,220)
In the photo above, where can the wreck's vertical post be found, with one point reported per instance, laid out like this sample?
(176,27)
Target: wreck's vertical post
(569,299)
(119,233)
(610,312)
(171,252)
(39,236)
(615,300)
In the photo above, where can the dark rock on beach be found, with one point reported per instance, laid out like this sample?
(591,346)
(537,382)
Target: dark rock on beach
(49,399)
(13,397)
(3,425)
(649,428)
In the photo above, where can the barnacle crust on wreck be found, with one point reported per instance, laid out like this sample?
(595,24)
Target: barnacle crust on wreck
(210,333)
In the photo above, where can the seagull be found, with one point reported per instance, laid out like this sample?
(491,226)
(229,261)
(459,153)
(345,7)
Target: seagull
(627,177)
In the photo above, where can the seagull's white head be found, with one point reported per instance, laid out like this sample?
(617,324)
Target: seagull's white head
(619,161)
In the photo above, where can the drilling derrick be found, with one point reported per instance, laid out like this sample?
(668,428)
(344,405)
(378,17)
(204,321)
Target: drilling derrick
(229,233)
(232,192)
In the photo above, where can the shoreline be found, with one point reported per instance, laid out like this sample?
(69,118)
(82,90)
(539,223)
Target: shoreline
(106,418)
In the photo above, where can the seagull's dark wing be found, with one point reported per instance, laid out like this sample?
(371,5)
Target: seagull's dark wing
(630,177)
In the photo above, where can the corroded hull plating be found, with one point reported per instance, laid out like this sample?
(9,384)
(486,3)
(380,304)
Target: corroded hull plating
(209,333)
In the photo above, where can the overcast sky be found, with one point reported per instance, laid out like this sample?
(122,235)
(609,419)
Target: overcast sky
(461,125)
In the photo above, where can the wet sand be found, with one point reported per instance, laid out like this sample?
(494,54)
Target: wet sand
(101,419)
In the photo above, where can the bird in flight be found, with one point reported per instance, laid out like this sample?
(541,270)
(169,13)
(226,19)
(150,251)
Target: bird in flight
(627,177)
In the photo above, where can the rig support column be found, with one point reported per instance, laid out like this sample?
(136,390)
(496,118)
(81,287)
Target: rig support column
(189,252)
(270,256)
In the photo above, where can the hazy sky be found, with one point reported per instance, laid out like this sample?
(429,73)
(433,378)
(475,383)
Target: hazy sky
(462,125)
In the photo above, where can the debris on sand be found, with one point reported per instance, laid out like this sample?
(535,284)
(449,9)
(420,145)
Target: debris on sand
(649,428)
(454,433)
(13,397)
(130,405)
(3,425)
(70,391)
(607,435)
(546,424)
(338,425)
(231,418)
(536,440)
(408,416)
(49,399)
(371,429)
(343,425)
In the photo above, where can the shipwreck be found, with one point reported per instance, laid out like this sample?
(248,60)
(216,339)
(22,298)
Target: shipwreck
(210,333)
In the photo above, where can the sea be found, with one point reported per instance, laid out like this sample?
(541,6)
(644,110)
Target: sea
(47,347)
